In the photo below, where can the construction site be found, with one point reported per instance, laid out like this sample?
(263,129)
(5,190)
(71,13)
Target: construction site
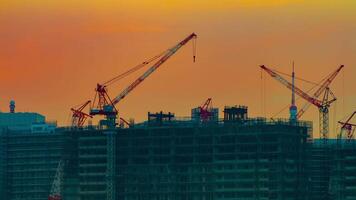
(213,154)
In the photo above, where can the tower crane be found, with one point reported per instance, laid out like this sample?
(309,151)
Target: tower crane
(57,183)
(323,105)
(104,105)
(348,127)
(205,112)
(79,117)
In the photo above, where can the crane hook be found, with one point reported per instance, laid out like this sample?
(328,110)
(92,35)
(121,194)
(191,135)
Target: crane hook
(194,42)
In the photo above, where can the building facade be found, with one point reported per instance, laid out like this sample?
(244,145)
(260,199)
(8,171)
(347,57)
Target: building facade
(244,159)
(252,160)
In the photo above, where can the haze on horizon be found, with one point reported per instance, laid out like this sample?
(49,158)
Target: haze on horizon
(54,52)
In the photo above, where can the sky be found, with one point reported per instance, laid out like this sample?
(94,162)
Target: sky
(53,53)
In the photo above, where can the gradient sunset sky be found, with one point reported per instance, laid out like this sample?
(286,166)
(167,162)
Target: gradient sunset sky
(54,52)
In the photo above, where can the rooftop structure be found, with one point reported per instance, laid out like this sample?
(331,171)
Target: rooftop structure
(159,118)
(235,113)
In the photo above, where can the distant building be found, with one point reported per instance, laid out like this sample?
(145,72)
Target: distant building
(20,121)
(43,127)
(26,122)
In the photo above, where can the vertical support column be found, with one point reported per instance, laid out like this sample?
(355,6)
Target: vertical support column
(324,123)
(110,169)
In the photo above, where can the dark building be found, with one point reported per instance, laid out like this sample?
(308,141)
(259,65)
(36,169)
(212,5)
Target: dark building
(236,158)
(343,170)
(257,159)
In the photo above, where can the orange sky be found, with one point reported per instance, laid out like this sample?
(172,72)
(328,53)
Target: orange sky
(54,52)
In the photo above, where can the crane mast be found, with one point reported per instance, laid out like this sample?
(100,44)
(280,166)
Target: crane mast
(56,193)
(323,105)
(106,106)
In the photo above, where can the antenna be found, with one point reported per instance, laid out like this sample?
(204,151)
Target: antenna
(293,108)
(12,106)
(293,87)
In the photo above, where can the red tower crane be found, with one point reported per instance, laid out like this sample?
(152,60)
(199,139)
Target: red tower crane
(79,117)
(104,105)
(205,110)
(348,127)
(323,105)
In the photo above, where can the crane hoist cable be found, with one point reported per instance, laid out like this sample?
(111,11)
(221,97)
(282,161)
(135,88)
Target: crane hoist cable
(143,64)
(323,104)
(298,97)
(133,69)
(298,78)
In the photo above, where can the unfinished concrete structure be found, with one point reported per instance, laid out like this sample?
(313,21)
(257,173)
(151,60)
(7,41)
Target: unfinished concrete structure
(235,158)
(257,159)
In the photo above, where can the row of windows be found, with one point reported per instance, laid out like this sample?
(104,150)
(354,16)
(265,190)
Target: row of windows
(92,169)
(167,141)
(207,149)
(191,159)
(33,161)
(26,174)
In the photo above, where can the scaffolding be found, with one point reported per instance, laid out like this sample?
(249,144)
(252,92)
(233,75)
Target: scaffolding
(343,171)
(231,161)
(158,118)
(235,113)
(180,159)
(31,164)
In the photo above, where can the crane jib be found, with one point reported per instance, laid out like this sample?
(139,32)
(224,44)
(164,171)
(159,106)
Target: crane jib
(105,106)
(155,66)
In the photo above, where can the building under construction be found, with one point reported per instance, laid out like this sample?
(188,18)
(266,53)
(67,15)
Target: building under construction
(163,158)
(167,157)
